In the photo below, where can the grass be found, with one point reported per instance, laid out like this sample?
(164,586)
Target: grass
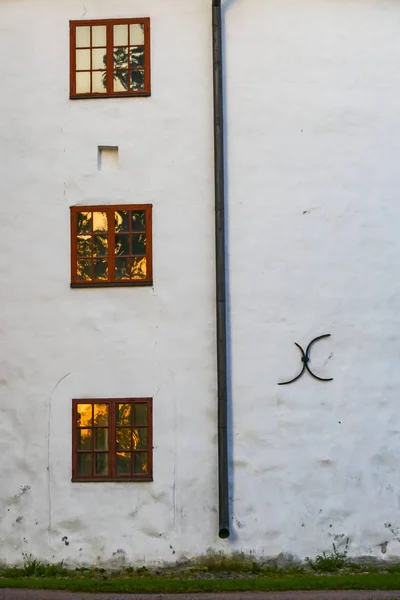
(214,572)
(369,581)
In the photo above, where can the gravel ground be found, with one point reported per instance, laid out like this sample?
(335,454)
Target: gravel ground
(22,594)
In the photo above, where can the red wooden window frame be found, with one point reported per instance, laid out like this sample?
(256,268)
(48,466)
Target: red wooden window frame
(109,67)
(111,435)
(111,258)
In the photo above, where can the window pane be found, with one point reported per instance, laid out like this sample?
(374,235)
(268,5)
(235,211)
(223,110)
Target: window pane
(121,58)
(84,270)
(137,80)
(83,83)
(138,220)
(122,245)
(120,35)
(123,414)
(99,58)
(84,439)
(101,414)
(99,82)
(83,37)
(121,220)
(140,414)
(139,244)
(139,439)
(137,34)
(136,57)
(84,463)
(84,415)
(140,463)
(84,245)
(101,439)
(139,268)
(120,81)
(83,60)
(101,270)
(99,35)
(123,438)
(100,245)
(123,463)
(101,464)
(84,222)
(122,268)
(99,221)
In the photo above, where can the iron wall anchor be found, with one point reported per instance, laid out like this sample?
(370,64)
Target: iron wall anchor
(305,359)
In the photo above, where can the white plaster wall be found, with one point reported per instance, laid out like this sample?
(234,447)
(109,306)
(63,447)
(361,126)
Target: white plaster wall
(59,343)
(313,115)
(313,126)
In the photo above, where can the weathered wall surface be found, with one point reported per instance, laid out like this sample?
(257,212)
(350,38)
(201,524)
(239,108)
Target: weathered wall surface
(313,135)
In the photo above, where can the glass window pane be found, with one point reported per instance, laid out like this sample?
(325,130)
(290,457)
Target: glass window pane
(84,245)
(122,245)
(99,35)
(123,463)
(140,465)
(139,268)
(100,221)
(84,439)
(101,439)
(136,57)
(137,34)
(84,270)
(83,60)
(122,268)
(83,37)
(101,270)
(84,222)
(139,439)
(83,83)
(100,245)
(140,414)
(99,58)
(101,414)
(138,220)
(101,464)
(123,438)
(120,35)
(137,80)
(121,220)
(120,81)
(84,463)
(121,58)
(84,415)
(139,243)
(99,82)
(123,414)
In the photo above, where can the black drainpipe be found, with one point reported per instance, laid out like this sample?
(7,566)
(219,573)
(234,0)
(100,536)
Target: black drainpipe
(223,483)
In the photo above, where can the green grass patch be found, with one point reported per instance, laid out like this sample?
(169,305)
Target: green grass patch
(145,584)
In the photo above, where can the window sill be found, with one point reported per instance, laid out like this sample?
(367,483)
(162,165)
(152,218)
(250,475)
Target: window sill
(113,284)
(95,96)
(112,480)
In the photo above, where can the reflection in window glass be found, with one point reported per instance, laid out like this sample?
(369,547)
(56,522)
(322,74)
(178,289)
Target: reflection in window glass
(84,415)
(123,463)
(84,463)
(136,34)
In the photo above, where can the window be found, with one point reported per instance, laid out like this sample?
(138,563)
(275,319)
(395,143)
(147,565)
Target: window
(110,58)
(112,439)
(111,245)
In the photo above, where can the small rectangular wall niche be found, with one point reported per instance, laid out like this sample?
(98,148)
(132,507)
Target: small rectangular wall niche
(107,158)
